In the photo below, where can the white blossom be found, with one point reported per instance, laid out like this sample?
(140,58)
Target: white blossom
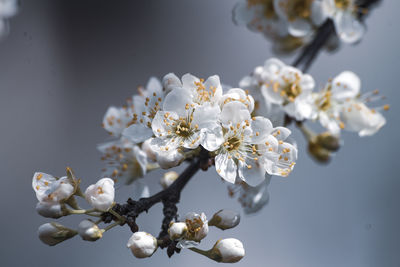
(344,15)
(225,219)
(145,107)
(288,87)
(177,230)
(101,194)
(275,24)
(168,178)
(89,231)
(123,160)
(53,233)
(142,244)
(184,124)
(8,8)
(229,250)
(340,106)
(117,119)
(50,210)
(252,147)
(197,229)
(50,189)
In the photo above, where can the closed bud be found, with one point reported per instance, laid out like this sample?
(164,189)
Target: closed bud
(318,153)
(89,231)
(225,219)
(50,210)
(168,178)
(328,141)
(228,250)
(142,244)
(53,233)
(177,230)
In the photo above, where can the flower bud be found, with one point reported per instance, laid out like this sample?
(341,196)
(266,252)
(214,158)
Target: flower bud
(142,244)
(177,230)
(49,210)
(169,159)
(168,178)
(328,141)
(225,219)
(53,233)
(146,147)
(319,153)
(89,231)
(171,81)
(101,194)
(228,250)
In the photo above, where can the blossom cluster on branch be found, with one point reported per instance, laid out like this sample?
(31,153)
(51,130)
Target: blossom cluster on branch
(242,132)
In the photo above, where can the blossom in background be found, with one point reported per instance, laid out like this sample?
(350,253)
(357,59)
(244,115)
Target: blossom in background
(344,14)
(340,106)
(123,160)
(252,198)
(145,107)
(117,119)
(8,8)
(101,195)
(51,190)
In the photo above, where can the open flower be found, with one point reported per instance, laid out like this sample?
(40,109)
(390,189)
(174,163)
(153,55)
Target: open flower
(344,15)
(117,119)
(252,147)
(197,229)
(340,106)
(123,160)
(101,194)
(288,87)
(145,107)
(182,123)
(51,190)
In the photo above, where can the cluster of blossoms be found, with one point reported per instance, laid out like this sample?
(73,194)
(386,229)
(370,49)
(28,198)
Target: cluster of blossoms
(56,198)
(188,234)
(338,105)
(171,121)
(8,8)
(293,23)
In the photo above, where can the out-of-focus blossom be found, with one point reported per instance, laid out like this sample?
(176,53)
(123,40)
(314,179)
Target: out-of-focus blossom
(168,178)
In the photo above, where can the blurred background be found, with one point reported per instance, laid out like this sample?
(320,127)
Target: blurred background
(64,62)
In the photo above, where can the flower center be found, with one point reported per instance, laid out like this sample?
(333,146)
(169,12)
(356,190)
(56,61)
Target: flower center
(232,143)
(269,11)
(183,129)
(193,226)
(324,103)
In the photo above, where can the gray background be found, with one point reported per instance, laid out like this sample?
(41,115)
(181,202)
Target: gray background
(64,62)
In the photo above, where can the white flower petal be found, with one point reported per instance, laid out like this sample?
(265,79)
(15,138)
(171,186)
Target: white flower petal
(346,85)
(226,167)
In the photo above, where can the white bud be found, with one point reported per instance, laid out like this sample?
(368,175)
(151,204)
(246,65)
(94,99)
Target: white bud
(142,244)
(50,210)
(225,219)
(146,147)
(228,250)
(168,178)
(169,159)
(101,194)
(54,233)
(177,230)
(89,231)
